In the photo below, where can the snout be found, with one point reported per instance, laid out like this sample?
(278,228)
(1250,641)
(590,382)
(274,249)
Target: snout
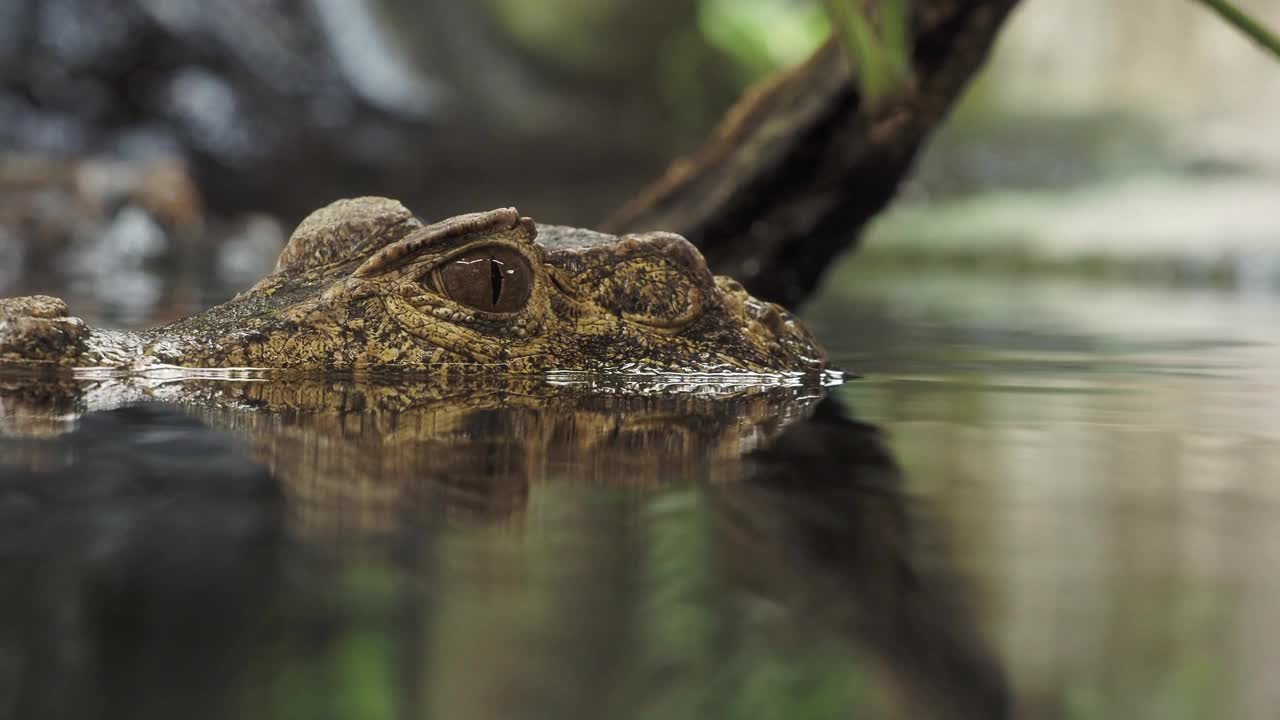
(779,334)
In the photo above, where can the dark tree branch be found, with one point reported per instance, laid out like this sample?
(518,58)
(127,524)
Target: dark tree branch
(801,163)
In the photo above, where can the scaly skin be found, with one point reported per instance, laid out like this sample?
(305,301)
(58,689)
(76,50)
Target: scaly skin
(358,288)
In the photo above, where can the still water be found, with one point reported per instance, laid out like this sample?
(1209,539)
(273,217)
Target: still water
(1043,500)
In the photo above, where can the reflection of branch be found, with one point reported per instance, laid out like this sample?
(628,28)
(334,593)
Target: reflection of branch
(1242,21)
(802,163)
(821,525)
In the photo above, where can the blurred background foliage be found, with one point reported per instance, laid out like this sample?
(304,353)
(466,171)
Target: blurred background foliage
(1100,136)
(695,56)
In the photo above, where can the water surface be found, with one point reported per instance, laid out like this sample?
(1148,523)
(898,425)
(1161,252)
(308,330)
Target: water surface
(1040,500)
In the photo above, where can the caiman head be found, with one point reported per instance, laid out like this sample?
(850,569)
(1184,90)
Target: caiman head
(364,285)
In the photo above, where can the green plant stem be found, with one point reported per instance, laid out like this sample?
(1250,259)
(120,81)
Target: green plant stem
(1241,21)
(875,43)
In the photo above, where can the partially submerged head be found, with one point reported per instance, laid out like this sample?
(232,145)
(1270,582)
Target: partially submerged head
(362,284)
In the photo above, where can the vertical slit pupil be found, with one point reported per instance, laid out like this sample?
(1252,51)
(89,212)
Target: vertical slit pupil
(495,279)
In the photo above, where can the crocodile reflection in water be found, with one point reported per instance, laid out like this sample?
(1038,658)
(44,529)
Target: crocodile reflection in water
(813,520)
(363,285)
(387,452)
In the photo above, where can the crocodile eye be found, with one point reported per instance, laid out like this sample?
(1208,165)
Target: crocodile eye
(494,279)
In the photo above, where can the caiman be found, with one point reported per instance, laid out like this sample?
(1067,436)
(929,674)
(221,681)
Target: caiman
(362,285)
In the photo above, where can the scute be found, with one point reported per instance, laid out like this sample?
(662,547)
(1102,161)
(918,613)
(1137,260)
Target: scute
(349,229)
(656,279)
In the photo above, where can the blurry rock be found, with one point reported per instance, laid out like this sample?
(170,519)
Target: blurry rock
(213,118)
(109,262)
(104,227)
(11,260)
(38,197)
(161,186)
(234,90)
(281,106)
(131,238)
(44,200)
(250,250)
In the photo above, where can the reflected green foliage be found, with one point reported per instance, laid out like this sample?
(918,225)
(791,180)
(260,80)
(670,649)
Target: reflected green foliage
(1191,684)
(362,671)
(677,571)
(683,631)
(343,674)
(780,686)
(529,627)
(364,664)
(731,653)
